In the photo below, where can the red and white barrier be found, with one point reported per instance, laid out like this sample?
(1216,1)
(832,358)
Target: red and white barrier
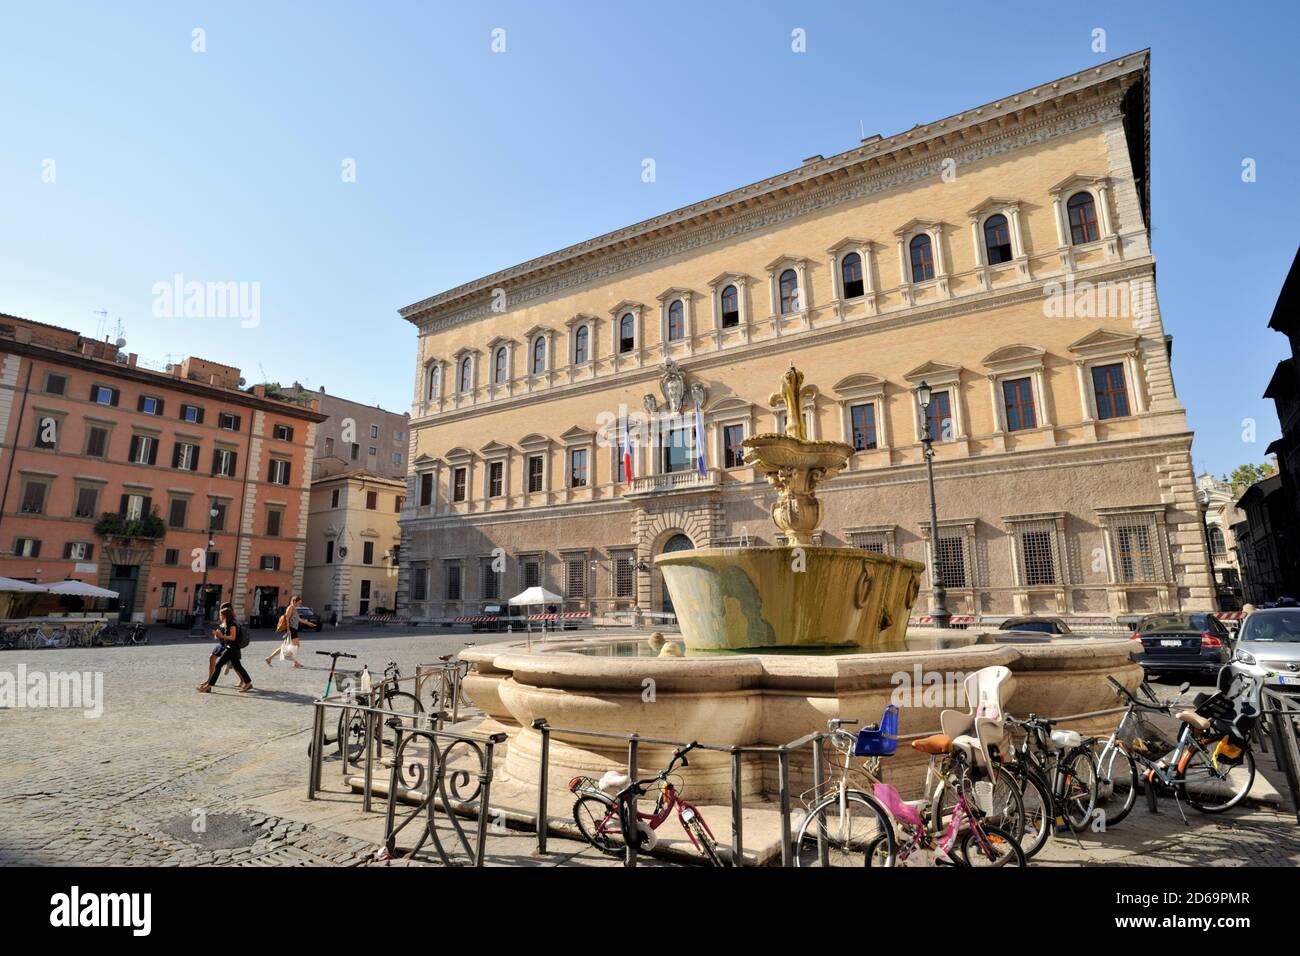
(566,616)
(928,619)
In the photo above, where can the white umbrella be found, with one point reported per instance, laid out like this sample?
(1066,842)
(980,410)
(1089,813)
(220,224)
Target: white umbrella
(81,589)
(536,595)
(25,587)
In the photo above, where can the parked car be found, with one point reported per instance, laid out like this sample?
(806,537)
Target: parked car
(307,618)
(1268,646)
(1181,643)
(1040,625)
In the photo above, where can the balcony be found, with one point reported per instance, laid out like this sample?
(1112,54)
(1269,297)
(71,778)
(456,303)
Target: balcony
(674,483)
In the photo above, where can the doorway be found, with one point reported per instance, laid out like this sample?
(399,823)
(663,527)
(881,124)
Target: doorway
(678,542)
(266,602)
(124,579)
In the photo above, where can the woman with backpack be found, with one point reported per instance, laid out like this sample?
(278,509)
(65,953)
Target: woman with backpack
(233,640)
(288,626)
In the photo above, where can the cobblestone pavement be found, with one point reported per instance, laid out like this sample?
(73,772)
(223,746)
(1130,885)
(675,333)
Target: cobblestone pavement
(131,786)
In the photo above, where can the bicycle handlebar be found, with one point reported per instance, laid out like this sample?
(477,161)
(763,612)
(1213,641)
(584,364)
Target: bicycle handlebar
(336,654)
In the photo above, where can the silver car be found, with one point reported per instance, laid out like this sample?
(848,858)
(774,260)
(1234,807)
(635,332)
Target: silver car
(1268,646)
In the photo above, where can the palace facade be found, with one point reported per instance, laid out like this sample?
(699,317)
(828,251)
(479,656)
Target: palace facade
(1001,255)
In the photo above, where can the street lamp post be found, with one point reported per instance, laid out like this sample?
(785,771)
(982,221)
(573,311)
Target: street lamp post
(939,610)
(203,588)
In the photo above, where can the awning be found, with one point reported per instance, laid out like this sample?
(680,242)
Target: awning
(536,595)
(80,589)
(22,587)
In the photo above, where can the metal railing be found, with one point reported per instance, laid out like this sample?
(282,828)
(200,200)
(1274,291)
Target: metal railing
(434,765)
(1282,711)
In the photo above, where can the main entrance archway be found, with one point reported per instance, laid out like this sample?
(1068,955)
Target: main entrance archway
(678,542)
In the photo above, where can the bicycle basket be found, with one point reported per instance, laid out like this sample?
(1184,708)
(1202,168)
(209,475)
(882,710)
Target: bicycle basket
(879,740)
(1141,736)
(581,785)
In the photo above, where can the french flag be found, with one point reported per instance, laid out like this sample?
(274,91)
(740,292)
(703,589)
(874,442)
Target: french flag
(627,453)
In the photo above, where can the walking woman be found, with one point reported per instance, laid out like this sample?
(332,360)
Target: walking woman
(289,624)
(228,634)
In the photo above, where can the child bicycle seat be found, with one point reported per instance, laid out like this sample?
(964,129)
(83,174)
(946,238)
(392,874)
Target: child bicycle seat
(984,726)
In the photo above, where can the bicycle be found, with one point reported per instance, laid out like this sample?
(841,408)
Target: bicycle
(342,736)
(406,709)
(1057,776)
(850,819)
(606,821)
(1186,767)
(448,690)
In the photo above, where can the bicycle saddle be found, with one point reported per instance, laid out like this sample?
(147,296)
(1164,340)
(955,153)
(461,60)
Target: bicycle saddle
(934,744)
(1193,718)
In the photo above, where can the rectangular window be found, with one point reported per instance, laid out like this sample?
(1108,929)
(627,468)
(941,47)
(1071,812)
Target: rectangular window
(938,417)
(167,596)
(56,384)
(374,431)
(952,560)
(1137,559)
(355,451)
(367,552)
(453,582)
(270,562)
(372,451)
(104,395)
(329,552)
(134,507)
(426,489)
(150,405)
(172,557)
(1036,555)
(177,512)
(863,420)
(575,577)
(33,498)
(491,581)
(218,522)
(78,551)
(185,456)
(144,450)
(223,462)
(192,414)
(214,559)
(536,464)
(87,502)
(419,584)
(578,468)
(274,519)
(1018,395)
(96,442)
(228,421)
(496,472)
(372,500)
(458,484)
(399,502)
(278,473)
(733,453)
(27,547)
(624,580)
(1110,391)
(282,433)
(334,498)
(329,447)
(397,458)
(679,452)
(532,574)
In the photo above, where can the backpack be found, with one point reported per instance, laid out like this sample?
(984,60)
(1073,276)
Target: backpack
(241,637)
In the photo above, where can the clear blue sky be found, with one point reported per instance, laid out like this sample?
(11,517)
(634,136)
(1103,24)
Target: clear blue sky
(225,165)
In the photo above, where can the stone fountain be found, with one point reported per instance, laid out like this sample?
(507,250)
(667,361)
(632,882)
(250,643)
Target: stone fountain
(799,595)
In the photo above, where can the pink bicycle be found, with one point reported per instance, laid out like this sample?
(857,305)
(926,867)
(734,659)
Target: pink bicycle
(605,820)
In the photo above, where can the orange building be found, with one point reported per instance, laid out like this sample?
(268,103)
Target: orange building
(111,473)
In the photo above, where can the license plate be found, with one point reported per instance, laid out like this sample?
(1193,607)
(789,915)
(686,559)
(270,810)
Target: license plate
(1171,643)
(688,814)
(1283,679)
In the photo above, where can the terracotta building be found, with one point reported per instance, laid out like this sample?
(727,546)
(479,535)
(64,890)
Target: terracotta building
(113,472)
(1002,255)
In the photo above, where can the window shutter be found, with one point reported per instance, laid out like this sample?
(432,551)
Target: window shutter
(135,448)
(287,469)
(146,507)
(36,548)
(122,509)
(288,433)
(116,395)
(93,389)
(153,452)
(200,420)
(234,457)
(235,419)
(67,551)
(162,406)
(139,403)
(90,551)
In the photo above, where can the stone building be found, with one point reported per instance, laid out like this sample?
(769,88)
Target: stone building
(1002,255)
(356,436)
(116,474)
(352,538)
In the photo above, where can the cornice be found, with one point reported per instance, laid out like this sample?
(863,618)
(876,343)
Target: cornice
(852,175)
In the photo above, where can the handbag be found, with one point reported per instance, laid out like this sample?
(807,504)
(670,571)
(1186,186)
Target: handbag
(287,650)
(283,624)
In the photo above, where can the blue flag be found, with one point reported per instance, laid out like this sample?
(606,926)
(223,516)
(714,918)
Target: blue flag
(699,441)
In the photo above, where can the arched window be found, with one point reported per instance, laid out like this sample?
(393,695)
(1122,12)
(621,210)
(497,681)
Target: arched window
(789,283)
(627,333)
(435,375)
(1083,219)
(581,345)
(851,274)
(499,366)
(922,258)
(466,373)
(730,307)
(1218,546)
(539,355)
(676,321)
(997,239)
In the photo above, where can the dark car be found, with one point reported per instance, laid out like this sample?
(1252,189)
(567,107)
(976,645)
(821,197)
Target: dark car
(1039,625)
(1181,644)
(308,619)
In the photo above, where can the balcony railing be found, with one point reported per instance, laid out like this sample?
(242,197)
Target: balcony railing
(675,482)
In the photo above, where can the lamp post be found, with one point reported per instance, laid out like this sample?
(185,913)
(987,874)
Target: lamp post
(203,588)
(939,610)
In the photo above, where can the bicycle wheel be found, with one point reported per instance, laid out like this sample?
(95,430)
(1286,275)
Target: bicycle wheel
(351,738)
(1117,785)
(991,846)
(1214,791)
(706,844)
(846,831)
(1039,816)
(405,708)
(1077,787)
(1007,807)
(599,825)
